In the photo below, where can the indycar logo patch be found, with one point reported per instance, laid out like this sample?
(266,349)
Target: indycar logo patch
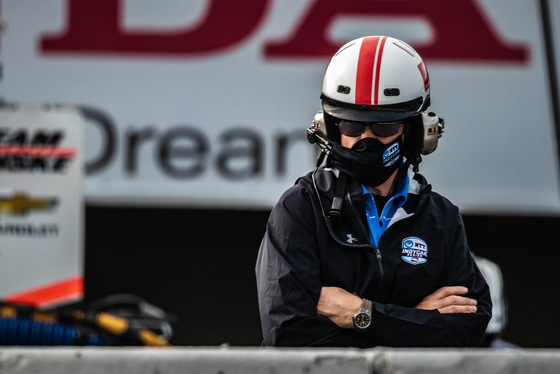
(414,250)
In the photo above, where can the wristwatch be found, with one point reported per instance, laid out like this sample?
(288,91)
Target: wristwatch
(362,319)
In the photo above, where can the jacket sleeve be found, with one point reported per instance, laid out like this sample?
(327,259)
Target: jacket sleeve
(395,325)
(288,280)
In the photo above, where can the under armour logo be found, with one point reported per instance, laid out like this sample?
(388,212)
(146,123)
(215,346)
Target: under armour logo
(350,238)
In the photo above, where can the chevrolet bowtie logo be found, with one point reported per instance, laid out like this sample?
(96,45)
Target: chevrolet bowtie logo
(20,204)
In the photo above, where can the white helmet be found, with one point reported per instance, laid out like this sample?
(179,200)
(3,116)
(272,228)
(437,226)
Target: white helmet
(375,79)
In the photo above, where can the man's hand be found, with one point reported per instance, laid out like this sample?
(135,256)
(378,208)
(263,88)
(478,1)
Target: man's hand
(448,300)
(339,305)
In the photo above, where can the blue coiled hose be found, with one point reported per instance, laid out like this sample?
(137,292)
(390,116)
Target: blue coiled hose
(22,331)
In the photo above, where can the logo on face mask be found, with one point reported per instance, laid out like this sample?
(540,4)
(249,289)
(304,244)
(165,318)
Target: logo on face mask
(391,155)
(414,250)
(369,161)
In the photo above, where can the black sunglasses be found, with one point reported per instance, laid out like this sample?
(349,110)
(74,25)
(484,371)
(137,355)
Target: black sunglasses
(383,129)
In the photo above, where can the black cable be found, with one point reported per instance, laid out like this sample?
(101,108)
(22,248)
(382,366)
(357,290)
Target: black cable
(329,225)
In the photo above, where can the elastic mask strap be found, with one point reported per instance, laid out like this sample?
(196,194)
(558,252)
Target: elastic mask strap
(336,206)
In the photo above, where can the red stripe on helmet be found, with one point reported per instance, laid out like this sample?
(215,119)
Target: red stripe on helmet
(378,71)
(364,75)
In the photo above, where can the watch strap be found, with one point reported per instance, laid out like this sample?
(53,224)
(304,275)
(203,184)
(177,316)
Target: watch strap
(367,305)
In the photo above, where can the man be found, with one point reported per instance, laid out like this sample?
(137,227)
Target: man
(361,252)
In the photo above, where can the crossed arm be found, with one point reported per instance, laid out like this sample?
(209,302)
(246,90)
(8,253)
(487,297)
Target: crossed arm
(340,305)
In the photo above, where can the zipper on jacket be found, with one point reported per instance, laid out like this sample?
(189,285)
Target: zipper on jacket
(370,245)
(380,265)
(378,254)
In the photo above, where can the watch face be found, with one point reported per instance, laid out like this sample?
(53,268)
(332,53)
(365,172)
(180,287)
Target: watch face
(362,320)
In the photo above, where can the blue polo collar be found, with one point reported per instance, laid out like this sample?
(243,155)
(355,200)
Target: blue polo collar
(378,225)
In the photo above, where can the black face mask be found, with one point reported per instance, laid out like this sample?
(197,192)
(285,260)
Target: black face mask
(370,162)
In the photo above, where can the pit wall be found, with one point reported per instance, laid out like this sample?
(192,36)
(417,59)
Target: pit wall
(231,360)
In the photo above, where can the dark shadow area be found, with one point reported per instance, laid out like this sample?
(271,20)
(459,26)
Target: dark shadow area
(199,265)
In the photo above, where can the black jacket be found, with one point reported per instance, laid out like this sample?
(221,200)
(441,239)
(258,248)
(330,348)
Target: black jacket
(298,256)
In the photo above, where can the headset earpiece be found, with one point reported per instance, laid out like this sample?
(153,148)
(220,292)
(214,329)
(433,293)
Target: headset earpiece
(319,121)
(433,127)
(316,135)
(422,133)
